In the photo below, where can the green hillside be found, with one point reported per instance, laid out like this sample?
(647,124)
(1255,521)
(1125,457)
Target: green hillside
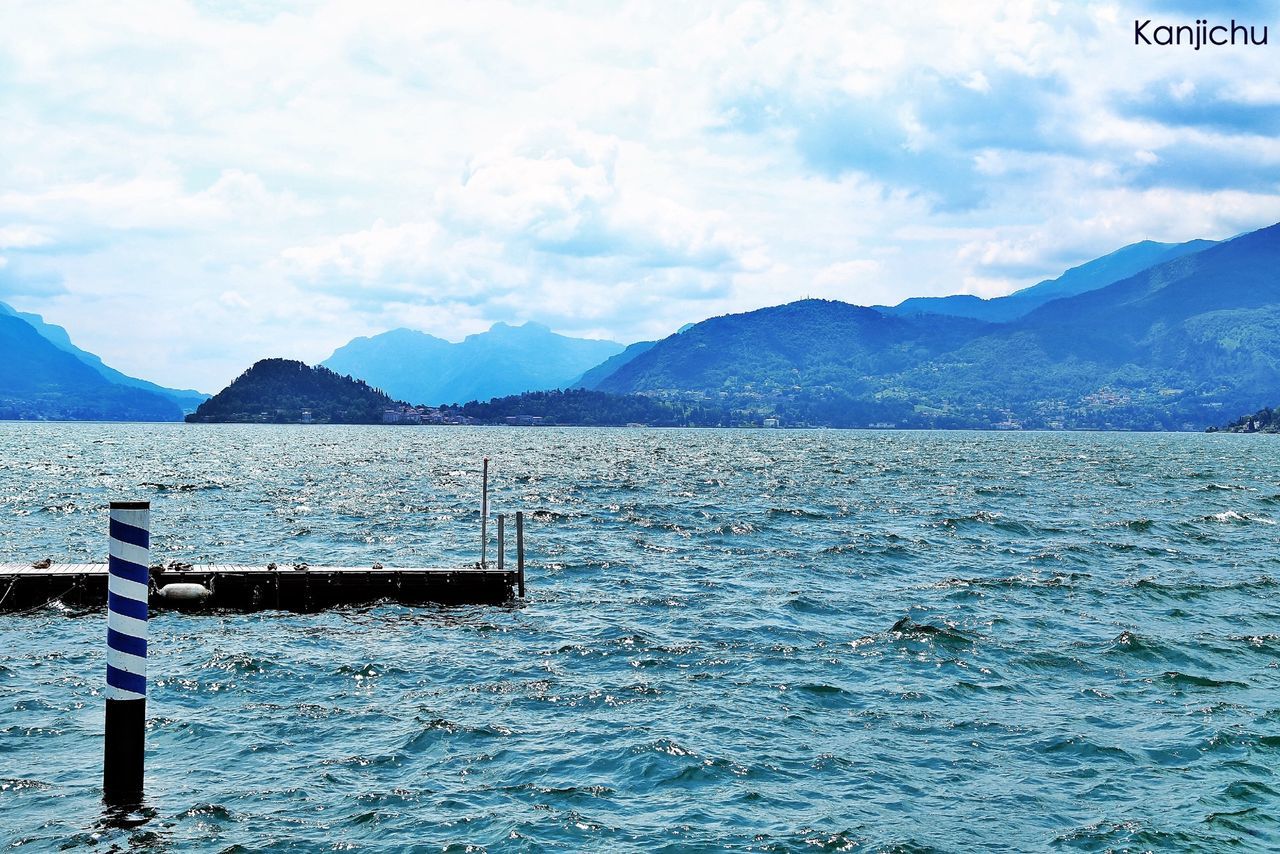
(283,391)
(1172,347)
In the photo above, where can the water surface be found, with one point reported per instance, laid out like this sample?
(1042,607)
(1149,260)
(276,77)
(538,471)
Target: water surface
(747,640)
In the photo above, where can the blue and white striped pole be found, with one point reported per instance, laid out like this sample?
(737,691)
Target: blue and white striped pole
(129,559)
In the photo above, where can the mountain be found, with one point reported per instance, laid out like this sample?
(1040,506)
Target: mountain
(503,361)
(1170,347)
(609,366)
(280,391)
(808,361)
(39,381)
(1090,276)
(187,399)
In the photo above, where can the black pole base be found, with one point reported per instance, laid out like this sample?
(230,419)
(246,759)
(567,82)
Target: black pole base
(122,754)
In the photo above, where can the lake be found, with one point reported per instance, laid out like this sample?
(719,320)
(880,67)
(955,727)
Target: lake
(746,640)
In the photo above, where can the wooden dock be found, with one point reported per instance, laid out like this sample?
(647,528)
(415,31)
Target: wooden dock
(24,587)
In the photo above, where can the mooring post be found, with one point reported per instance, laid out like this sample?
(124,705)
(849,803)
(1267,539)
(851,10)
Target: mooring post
(129,556)
(484,516)
(502,549)
(520,552)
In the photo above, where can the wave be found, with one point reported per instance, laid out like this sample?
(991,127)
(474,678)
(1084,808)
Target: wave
(909,628)
(1236,518)
(241,663)
(1059,579)
(797,512)
(179,487)
(1188,680)
(370,670)
(1084,748)
(986,519)
(1189,591)
(1250,791)
(211,811)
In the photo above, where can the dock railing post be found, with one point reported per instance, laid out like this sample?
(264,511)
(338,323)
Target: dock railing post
(484,516)
(502,549)
(128,577)
(520,552)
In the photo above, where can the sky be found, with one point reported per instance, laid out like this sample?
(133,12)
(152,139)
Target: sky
(188,187)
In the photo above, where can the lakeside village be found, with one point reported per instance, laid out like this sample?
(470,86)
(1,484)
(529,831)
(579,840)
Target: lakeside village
(417,415)
(437,415)
(422,415)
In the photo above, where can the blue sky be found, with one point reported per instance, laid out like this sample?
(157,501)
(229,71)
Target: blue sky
(190,186)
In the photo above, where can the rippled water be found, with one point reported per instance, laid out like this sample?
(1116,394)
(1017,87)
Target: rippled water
(733,639)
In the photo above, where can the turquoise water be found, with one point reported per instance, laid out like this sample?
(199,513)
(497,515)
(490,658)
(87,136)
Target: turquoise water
(746,640)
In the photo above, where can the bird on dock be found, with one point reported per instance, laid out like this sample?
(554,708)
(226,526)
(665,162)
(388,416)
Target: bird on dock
(42,564)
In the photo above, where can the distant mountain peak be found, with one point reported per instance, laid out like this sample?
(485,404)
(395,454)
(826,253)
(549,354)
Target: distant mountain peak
(501,361)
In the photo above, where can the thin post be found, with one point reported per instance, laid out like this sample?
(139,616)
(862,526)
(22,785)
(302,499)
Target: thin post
(129,559)
(502,549)
(520,551)
(484,516)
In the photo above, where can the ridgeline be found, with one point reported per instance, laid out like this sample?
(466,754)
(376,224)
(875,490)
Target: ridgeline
(1171,347)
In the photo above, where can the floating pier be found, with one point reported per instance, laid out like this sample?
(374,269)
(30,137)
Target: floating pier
(289,587)
(255,588)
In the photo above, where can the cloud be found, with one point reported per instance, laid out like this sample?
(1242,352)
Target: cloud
(560,190)
(275,178)
(548,218)
(23,237)
(1179,103)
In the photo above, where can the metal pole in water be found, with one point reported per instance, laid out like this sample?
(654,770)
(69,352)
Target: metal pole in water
(520,551)
(502,550)
(129,559)
(484,516)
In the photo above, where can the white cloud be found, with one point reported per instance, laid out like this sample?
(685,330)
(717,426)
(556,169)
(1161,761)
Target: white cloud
(292,177)
(23,237)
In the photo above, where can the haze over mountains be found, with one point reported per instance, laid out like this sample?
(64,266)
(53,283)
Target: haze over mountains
(1152,336)
(41,381)
(505,360)
(186,399)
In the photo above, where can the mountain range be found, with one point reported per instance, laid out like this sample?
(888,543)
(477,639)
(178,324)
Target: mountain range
(1151,336)
(1172,346)
(503,361)
(70,383)
(39,381)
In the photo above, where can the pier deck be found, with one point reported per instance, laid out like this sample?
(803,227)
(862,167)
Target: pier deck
(254,588)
